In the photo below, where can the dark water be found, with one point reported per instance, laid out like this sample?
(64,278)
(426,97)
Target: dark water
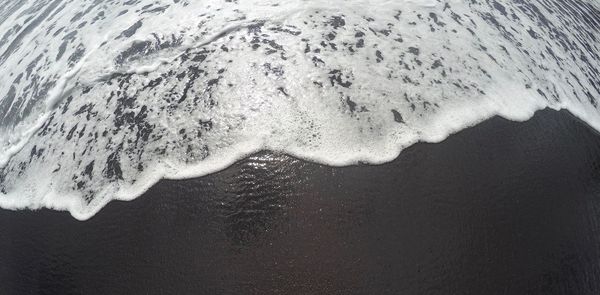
(501,208)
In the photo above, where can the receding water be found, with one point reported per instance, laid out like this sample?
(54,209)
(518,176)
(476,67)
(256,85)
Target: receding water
(102,99)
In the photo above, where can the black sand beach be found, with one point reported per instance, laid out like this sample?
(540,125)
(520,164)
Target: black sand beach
(500,208)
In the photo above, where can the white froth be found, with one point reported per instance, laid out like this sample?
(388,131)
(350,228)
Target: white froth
(104,98)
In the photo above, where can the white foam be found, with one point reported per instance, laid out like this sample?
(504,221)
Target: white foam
(105,108)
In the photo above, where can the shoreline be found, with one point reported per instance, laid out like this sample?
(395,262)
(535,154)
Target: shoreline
(500,207)
(137,190)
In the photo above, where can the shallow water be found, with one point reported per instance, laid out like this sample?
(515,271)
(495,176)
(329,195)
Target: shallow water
(104,98)
(500,208)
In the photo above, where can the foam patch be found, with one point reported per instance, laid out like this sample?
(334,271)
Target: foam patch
(101,99)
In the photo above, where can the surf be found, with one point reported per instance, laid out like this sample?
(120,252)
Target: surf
(104,99)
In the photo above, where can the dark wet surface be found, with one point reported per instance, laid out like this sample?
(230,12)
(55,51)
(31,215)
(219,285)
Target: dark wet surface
(501,208)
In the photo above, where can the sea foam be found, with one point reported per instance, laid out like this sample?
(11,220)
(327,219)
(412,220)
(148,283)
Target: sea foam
(101,99)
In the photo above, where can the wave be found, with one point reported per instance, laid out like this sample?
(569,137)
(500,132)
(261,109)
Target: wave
(104,98)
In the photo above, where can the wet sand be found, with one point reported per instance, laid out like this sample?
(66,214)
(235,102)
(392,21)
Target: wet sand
(500,208)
